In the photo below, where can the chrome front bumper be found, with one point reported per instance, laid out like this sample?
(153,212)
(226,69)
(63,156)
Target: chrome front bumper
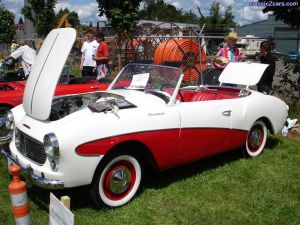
(27,173)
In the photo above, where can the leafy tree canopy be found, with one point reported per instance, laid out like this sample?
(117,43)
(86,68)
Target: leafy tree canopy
(288,14)
(121,14)
(7,29)
(41,13)
(159,10)
(73,18)
(228,19)
(162,11)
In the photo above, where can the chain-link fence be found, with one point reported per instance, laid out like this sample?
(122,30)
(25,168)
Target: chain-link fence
(192,49)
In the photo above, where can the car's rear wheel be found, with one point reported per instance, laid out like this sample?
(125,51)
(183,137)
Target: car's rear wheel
(256,139)
(117,181)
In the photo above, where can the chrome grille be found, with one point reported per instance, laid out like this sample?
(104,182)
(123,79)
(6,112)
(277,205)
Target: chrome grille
(30,148)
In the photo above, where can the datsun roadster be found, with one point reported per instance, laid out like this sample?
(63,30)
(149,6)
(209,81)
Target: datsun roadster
(145,118)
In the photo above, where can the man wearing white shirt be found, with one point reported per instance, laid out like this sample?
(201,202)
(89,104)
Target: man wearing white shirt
(27,55)
(88,50)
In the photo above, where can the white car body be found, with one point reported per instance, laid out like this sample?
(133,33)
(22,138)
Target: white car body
(168,132)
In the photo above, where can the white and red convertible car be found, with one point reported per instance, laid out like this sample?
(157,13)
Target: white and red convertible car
(105,139)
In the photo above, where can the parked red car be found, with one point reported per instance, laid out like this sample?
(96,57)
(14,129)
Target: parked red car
(12,93)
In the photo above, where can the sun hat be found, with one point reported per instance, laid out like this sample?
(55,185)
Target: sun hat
(231,36)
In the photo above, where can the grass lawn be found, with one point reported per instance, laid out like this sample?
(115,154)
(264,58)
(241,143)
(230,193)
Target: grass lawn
(225,189)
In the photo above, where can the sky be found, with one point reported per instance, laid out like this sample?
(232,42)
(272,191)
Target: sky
(88,10)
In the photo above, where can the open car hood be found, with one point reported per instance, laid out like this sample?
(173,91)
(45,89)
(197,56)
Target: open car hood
(45,73)
(243,73)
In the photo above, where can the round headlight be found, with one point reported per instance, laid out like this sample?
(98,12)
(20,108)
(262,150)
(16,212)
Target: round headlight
(5,133)
(9,120)
(51,145)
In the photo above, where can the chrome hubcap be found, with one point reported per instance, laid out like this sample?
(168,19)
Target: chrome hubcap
(119,180)
(255,138)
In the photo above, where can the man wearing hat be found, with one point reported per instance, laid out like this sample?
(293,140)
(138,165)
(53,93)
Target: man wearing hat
(229,53)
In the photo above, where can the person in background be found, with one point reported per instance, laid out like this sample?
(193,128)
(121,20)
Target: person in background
(265,83)
(102,56)
(228,53)
(13,45)
(27,54)
(89,48)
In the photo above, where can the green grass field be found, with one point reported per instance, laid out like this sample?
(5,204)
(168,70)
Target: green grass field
(226,189)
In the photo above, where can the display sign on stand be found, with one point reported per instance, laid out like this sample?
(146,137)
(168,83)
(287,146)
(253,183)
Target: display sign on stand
(59,214)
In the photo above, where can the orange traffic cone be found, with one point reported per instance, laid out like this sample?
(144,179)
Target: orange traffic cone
(18,194)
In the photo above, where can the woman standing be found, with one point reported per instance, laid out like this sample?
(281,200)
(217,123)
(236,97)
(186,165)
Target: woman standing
(266,57)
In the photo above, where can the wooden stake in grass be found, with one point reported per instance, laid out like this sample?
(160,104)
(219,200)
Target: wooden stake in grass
(66,201)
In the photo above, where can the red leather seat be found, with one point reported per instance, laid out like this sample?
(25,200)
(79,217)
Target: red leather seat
(186,95)
(222,95)
(203,96)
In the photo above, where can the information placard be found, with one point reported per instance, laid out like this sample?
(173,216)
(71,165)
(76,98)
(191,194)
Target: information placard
(58,213)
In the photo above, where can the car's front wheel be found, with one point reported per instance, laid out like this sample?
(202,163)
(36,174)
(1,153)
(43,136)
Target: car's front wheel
(117,181)
(256,139)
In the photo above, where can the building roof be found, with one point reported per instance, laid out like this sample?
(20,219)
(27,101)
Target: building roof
(19,26)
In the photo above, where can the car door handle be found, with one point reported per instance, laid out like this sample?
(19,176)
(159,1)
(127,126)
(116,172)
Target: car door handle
(226,113)
(94,87)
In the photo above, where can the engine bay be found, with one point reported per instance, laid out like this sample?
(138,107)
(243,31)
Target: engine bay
(96,102)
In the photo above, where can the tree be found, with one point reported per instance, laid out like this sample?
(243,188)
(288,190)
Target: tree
(288,14)
(41,13)
(7,29)
(189,17)
(214,20)
(73,18)
(122,15)
(159,10)
(21,20)
(228,20)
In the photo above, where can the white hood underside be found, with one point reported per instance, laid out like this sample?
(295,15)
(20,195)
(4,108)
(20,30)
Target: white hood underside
(45,73)
(243,73)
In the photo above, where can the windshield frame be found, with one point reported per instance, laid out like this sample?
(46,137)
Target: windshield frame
(172,98)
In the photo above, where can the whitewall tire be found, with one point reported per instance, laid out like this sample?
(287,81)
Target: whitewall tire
(256,139)
(117,182)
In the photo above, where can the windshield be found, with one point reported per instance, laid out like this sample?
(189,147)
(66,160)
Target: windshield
(149,78)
